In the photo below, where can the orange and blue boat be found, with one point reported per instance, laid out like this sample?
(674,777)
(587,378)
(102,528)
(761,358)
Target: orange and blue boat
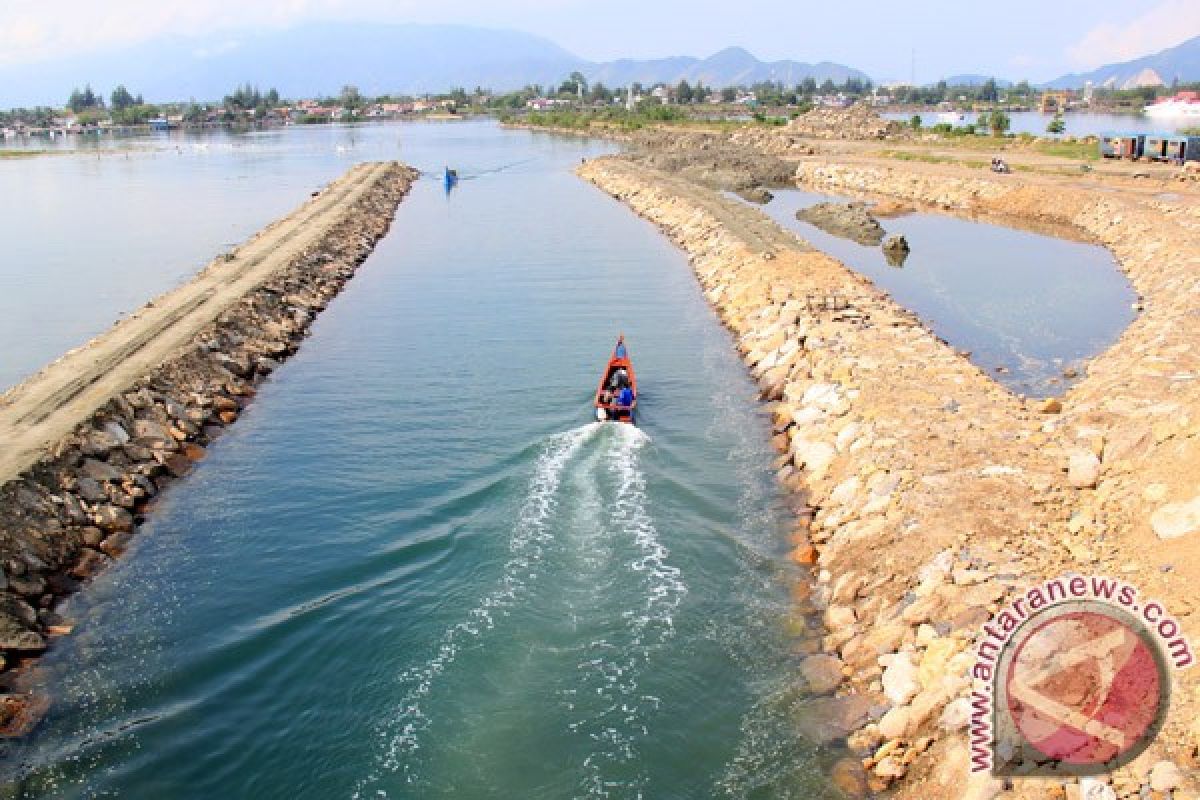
(616,396)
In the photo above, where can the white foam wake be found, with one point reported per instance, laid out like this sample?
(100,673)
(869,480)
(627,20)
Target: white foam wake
(614,673)
(526,547)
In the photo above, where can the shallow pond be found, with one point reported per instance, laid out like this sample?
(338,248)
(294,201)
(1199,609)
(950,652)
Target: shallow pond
(1028,307)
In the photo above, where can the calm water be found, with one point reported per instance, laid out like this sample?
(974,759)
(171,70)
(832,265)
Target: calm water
(1078,123)
(93,233)
(414,569)
(1027,306)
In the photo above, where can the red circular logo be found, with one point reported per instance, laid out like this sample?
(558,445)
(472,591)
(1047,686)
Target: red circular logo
(1085,688)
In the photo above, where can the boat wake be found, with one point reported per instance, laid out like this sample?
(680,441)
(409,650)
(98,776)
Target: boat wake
(610,706)
(584,547)
(526,547)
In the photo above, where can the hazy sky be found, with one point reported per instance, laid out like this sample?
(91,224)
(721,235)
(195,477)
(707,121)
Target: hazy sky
(1018,38)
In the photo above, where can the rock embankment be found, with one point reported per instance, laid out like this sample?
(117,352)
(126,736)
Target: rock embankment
(137,407)
(929,495)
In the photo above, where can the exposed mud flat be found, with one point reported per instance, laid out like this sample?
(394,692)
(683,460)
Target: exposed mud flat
(934,493)
(848,220)
(94,437)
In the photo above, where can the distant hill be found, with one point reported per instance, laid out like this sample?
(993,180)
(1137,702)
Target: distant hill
(729,67)
(318,59)
(303,61)
(976,80)
(1180,62)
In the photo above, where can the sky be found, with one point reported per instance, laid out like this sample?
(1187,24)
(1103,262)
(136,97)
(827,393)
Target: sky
(1031,39)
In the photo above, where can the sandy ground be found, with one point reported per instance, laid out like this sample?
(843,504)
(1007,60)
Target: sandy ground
(39,412)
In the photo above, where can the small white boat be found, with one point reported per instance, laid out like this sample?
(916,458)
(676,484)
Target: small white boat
(952,118)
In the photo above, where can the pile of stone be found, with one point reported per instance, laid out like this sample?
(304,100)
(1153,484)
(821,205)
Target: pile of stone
(856,122)
(711,159)
(79,508)
(772,141)
(848,220)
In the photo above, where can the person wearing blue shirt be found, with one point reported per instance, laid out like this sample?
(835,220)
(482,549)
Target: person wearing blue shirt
(625,398)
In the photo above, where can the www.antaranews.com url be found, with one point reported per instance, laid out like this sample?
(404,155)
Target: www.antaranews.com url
(1152,614)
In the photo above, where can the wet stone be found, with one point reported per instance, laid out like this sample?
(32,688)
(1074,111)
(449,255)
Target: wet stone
(111,518)
(116,544)
(822,673)
(91,562)
(91,491)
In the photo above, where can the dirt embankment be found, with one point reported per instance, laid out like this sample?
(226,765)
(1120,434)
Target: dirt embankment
(933,493)
(91,439)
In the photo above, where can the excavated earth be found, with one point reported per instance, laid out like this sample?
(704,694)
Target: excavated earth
(848,220)
(94,437)
(934,495)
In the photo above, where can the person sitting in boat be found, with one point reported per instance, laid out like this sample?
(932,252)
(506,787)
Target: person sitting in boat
(620,378)
(625,398)
(606,397)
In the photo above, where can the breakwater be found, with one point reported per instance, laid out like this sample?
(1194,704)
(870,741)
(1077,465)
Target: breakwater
(94,437)
(933,493)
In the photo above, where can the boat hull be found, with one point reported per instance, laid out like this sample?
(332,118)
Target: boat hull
(618,374)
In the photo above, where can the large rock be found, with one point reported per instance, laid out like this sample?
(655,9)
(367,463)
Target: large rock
(815,457)
(1176,519)
(895,249)
(151,434)
(91,490)
(955,715)
(935,659)
(895,722)
(91,562)
(111,518)
(822,673)
(1083,469)
(825,719)
(900,681)
(100,471)
(102,441)
(848,777)
(1093,788)
(16,620)
(839,617)
(1165,776)
(117,431)
(879,640)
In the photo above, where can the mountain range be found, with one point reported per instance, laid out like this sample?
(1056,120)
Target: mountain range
(1181,62)
(318,59)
